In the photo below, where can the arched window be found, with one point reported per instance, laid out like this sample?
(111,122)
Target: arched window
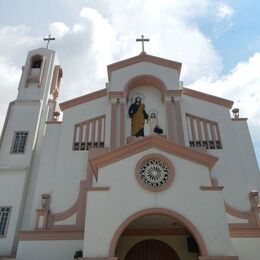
(36,64)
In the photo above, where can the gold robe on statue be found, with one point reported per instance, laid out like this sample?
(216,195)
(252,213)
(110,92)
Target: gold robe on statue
(137,120)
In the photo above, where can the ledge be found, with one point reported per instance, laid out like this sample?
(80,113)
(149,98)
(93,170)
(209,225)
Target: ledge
(98,188)
(239,119)
(53,122)
(211,188)
(51,235)
(242,231)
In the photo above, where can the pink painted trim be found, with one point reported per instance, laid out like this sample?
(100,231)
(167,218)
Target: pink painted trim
(122,124)
(243,231)
(212,188)
(77,208)
(113,126)
(143,58)
(99,130)
(42,213)
(159,157)
(51,235)
(192,129)
(83,99)
(98,188)
(6,121)
(239,119)
(206,131)
(157,142)
(53,122)
(170,120)
(81,133)
(93,132)
(218,258)
(209,98)
(179,122)
(37,79)
(87,133)
(158,211)
(145,79)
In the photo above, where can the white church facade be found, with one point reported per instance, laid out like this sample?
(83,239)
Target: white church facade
(142,169)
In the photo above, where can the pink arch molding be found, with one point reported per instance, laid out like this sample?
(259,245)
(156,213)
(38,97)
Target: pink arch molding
(158,211)
(145,80)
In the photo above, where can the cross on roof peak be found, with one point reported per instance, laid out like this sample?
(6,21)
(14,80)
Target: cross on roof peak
(143,40)
(48,39)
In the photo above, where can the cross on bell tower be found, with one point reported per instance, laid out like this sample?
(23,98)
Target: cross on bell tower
(143,40)
(48,39)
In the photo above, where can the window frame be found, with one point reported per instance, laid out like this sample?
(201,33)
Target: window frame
(14,139)
(7,221)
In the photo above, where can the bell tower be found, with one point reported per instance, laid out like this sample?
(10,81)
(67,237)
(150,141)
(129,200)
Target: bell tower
(35,104)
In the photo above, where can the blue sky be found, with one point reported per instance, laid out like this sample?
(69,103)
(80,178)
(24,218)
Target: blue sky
(218,43)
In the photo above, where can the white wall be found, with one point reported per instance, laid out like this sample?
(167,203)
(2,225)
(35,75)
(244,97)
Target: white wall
(43,250)
(234,169)
(246,248)
(105,212)
(120,77)
(11,193)
(24,116)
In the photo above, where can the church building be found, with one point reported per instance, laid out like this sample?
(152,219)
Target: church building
(143,169)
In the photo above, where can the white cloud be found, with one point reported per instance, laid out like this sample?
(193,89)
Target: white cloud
(241,86)
(9,75)
(224,11)
(15,40)
(58,29)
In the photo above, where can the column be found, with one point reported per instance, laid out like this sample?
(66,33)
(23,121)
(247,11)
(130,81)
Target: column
(180,132)
(170,118)
(122,101)
(113,102)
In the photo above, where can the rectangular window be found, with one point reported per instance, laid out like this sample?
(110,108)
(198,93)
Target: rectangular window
(19,142)
(4,218)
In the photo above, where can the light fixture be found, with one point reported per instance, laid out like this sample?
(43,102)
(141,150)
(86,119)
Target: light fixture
(254,199)
(45,201)
(235,112)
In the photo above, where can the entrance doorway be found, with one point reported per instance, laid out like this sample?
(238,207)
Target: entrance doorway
(151,249)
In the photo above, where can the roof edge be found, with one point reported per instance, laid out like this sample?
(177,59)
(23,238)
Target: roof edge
(209,98)
(150,142)
(83,99)
(143,57)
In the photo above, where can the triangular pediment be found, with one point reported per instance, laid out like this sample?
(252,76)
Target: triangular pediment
(153,142)
(143,57)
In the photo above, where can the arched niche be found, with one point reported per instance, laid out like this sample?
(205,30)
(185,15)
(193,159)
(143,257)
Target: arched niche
(151,89)
(35,70)
(145,80)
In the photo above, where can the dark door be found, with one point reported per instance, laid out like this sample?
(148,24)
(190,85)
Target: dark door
(151,249)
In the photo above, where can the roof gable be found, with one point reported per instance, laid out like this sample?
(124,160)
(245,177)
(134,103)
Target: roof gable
(143,57)
(153,142)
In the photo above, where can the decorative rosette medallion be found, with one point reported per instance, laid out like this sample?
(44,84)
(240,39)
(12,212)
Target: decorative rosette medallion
(154,172)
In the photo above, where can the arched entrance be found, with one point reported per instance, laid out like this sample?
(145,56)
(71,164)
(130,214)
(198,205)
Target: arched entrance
(151,249)
(164,225)
(159,224)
